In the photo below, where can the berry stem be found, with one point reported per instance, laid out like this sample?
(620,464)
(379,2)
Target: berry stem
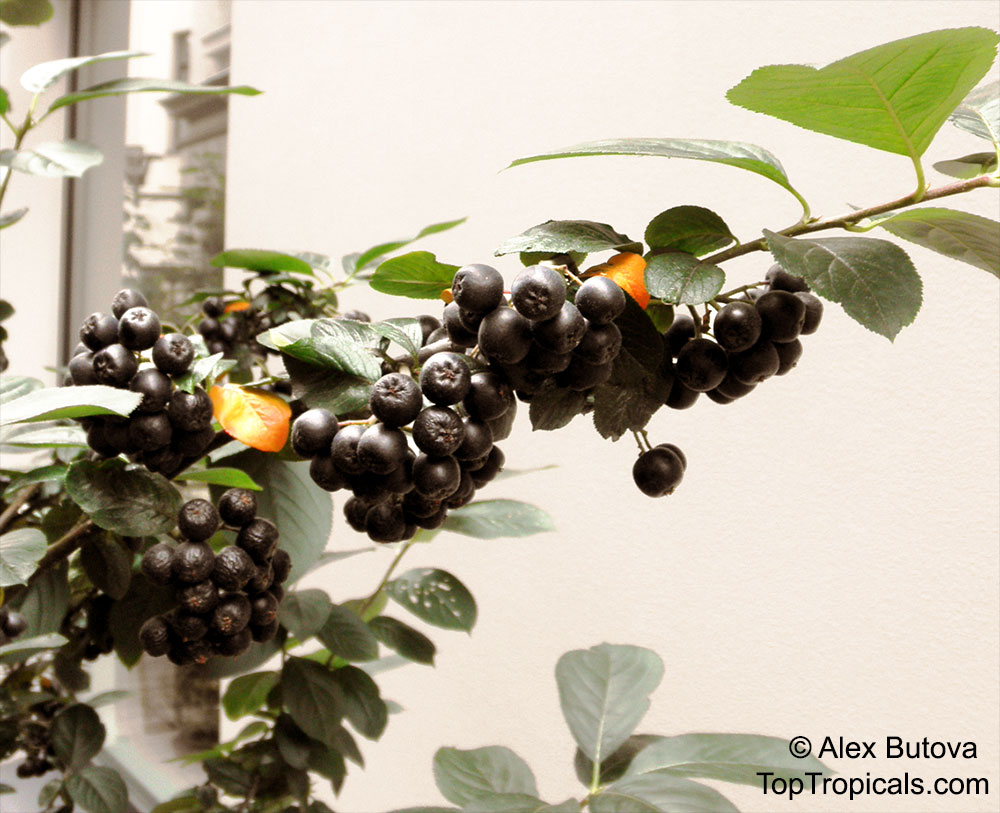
(856,216)
(697,321)
(11,511)
(388,574)
(61,548)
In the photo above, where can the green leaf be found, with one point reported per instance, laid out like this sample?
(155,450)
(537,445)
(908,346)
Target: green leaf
(329,763)
(517,803)
(11,218)
(341,393)
(692,229)
(873,280)
(253,658)
(313,698)
(367,609)
(258,259)
(291,500)
(13,387)
(124,498)
(402,638)
(979,113)
(436,597)
(20,551)
(46,601)
(640,338)
(24,647)
(142,601)
(724,757)
(959,235)
(968,166)
(48,793)
(25,12)
(247,693)
(222,476)
(560,236)
(627,400)
(53,403)
(293,743)
(54,473)
(331,343)
(498,519)
(118,87)
(732,153)
(347,636)
(4,107)
(107,564)
(77,735)
(41,77)
(208,368)
(465,776)
(393,331)
(53,159)
(614,766)
(535,257)
(656,793)
(555,407)
(304,612)
(231,777)
(417,275)
(368,257)
(98,790)
(46,434)
(683,279)
(363,704)
(892,97)
(603,692)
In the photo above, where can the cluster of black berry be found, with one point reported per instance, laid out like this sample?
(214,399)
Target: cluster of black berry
(544,340)
(755,338)
(169,426)
(33,738)
(225,327)
(12,624)
(225,600)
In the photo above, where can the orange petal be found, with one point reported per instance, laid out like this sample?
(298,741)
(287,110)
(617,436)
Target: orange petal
(238,305)
(258,419)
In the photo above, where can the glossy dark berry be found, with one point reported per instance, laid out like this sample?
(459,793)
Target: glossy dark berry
(138,328)
(115,365)
(233,645)
(263,609)
(210,329)
(325,473)
(538,292)
(264,633)
(581,375)
(262,578)
(158,563)
(97,440)
(259,538)
(313,431)
(231,615)
(99,330)
(782,315)
(193,562)
(756,364)
(381,448)
(384,523)
(445,379)
(191,444)
(81,369)
(233,568)
(658,472)
(154,387)
(600,300)
(564,331)
(789,354)
(676,450)
(116,434)
(732,387)
(173,353)
(780,280)
(417,505)
(147,433)
(355,510)
(701,365)
(189,625)
(477,442)
(681,396)
(395,399)
(213,307)
(197,520)
(237,507)
(438,431)
(493,466)
(680,332)
(344,449)
(154,636)
(545,362)
(505,335)
(14,624)
(737,326)
(428,324)
(477,288)
(191,412)
(455,327)
(719,397)
(199,597)
(814,312)
(281,564)
(489,396)
(600,344)
(436,477)
(127,298)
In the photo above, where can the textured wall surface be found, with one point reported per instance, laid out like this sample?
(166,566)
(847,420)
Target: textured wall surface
(830,564)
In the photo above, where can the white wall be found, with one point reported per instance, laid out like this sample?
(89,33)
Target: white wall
(830,563)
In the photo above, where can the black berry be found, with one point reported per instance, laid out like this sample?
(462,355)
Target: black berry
(138,328)
(658,472)
(565,330)
(814,312)
(193,562)
(782,315)
(438,431)
(154,636)
(173,353)
(477,288)
(233,568)
(445,379)
(259,539)
(99,330)
(191,412)
(148,433)
(313,431)
(701,365)
(538,292)
(436,477)
(395,399)
(600,300)
(737,326)
(780,280)
(154,387)
(127,298)
(115,365)
(504,335)
(381,448)
(197,520)
(344,449)
(158,563)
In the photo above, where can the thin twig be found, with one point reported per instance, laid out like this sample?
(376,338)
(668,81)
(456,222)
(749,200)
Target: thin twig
(10,512)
